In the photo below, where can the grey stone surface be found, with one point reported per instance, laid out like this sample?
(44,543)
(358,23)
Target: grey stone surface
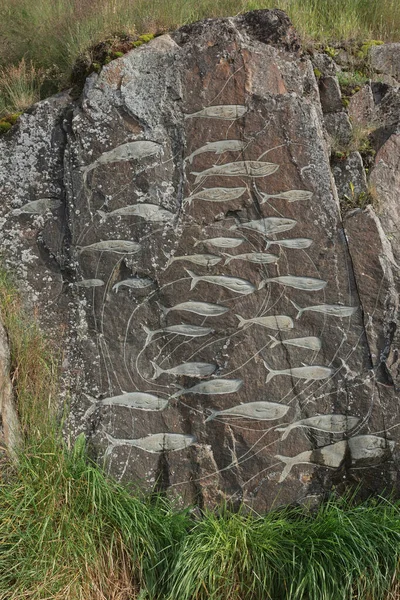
(330,94)
(361,107)
(190,245)
(339,128)
(349,174)
(386,59)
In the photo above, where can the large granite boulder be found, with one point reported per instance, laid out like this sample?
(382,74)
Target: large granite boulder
(226,336)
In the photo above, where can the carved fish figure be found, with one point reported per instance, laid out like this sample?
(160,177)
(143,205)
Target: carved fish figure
(241,168)
(154,443)
(221,242)
(327,423)
(327,456)
(190,369)
(369,448)
(259,411)
(38,207)
(214,386)
(135,283)
(296,243)
(219,194)
(334,310)
(234,284)
(204,309)
(137,400)
(309,373)
(116,246)
(226,112)
(150,212)
(205,260)
(290,196)
(254,257)
(219,148)
(310,343)
(129,151)
(88,283)
(182,329)
(268,225)
(272,322)
(308,284)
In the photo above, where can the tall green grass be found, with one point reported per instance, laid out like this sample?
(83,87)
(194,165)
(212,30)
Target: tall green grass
(69,532)
(50,34)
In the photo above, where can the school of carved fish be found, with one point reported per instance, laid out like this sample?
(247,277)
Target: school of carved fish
(364,449)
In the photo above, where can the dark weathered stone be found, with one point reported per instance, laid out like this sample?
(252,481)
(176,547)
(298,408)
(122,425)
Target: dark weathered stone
(386,59)
(339,128)
(350,176)
(361,107)
(330,94)
(216,93)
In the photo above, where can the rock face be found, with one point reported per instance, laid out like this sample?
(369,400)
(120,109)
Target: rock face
(226,334)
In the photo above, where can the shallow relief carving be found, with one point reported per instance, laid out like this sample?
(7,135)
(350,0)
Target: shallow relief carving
(223,310)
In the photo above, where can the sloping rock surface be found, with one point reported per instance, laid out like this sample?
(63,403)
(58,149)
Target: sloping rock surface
(226,335)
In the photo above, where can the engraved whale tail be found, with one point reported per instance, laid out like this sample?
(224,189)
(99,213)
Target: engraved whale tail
(242,321)
(195,278)
(271,373)
(212,416)
(274,341)
(149,335)
(157,370)
(196,242)
(286,431)
(91,408)
(229,257)
(103,215)
(163,309)
(116,287)
(299,309)
(289,463)
(262,284)
(112,442)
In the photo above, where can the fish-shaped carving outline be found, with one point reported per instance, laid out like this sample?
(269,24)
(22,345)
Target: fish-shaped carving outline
(155,442)
(279,322)
(259,258)
(221,242)
(240,168)
(212,387)
(89,283)
(135,400)
(115,246)
(219,194)
(225,112)
(327,456)
(204,309)
(134,283)
(268,225)
(205,260)
(125,152)
(333,310)
(234,284)
(309,343)
(290,196)
(258,411)
(190,369)
(181,329)
(307,284)
(309,372)
(295,243)
(149,212)
(219,147)
(334,424)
